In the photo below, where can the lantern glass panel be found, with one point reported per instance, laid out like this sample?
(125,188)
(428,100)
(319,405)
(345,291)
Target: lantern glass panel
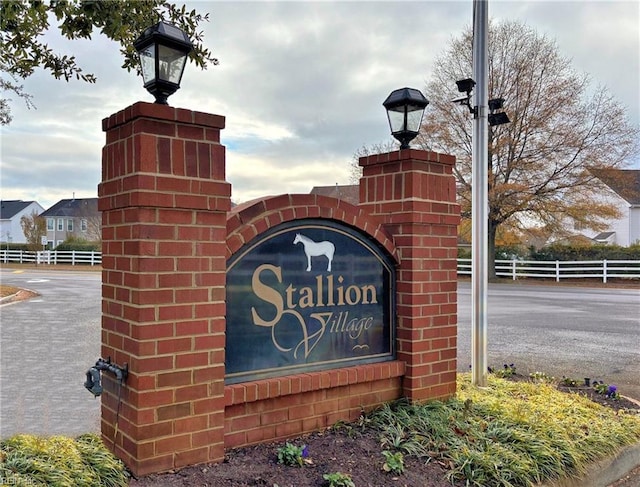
(396,119)
(147,62)
(171,64)
(414,118)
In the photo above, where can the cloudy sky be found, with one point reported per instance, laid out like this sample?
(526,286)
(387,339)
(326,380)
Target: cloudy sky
(300,84)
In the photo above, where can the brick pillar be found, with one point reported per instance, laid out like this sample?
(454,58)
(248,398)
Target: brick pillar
(414,192)
(164,201)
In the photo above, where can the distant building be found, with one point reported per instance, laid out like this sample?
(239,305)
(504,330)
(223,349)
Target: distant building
(349,193)
(11,211)
(76,217)
(622,189)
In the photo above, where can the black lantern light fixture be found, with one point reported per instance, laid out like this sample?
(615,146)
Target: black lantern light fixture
(497,117)
(405,108)
(163,51)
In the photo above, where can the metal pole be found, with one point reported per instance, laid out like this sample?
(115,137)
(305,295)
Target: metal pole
(480,208)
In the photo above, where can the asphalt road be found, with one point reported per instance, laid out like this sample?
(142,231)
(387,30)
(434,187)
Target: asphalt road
(568,331)
(47,343)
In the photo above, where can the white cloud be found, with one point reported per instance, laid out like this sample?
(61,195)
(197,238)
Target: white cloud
(301,85)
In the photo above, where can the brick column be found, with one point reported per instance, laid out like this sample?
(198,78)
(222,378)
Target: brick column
(414,192)
(164,201)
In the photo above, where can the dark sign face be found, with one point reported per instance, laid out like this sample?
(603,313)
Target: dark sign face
(308,295)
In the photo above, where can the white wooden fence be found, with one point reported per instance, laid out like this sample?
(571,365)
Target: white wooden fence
(514,269)
(558,269)
(51,257)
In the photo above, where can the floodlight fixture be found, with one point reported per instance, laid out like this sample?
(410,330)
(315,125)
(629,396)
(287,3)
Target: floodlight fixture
(497,118)
(496,104)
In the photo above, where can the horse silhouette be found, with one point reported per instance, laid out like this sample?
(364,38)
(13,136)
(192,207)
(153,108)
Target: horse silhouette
(314,249)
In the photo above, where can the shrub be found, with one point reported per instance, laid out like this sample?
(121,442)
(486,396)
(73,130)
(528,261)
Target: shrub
(588,252)
(292,455)
(61,461)
(79,244)
(338,479)
(508,433)
(393,462)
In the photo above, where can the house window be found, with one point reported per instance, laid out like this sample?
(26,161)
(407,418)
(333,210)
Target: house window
(50,224)
(60,224)
(69,225)
(83,224)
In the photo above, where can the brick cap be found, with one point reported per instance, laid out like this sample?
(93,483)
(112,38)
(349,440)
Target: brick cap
(407,155)
(327,379)
(162,112)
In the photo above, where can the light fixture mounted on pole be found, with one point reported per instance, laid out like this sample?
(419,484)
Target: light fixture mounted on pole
(405,108)
(163,50)
(497,117)
(466,86)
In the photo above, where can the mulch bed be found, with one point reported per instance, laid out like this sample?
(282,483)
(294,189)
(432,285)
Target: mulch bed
(334,450)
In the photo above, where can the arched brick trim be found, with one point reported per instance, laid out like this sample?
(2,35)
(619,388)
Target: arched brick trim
(250,219)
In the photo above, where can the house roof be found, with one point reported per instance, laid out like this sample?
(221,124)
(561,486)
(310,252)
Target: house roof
(603,236)
(10,208)
(349,193)
(624,182)
(75,207)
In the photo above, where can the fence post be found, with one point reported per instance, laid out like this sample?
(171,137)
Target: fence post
(557,271)
(604,270)
(513,270)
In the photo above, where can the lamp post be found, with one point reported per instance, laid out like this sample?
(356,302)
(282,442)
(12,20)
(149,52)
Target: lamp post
(405,108)
(163,50)
(480,205)
(480,161)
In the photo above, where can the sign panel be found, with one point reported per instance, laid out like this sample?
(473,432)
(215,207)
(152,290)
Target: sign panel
(308,295)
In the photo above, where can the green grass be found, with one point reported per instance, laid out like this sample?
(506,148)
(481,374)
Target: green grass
(508,434)
(59,461)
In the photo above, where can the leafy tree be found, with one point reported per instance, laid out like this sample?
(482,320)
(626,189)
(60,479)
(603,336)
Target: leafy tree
(355,171)
(34,228)
(22,24)
(542,165)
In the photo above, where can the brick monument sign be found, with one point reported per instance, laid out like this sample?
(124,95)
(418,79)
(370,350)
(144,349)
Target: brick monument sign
(271,319)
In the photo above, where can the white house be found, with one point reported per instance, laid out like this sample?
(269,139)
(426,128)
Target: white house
(622,188)
(11,211)
(77,217)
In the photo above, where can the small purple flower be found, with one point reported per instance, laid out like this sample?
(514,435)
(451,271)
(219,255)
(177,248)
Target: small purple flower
(611,391)
(305,451)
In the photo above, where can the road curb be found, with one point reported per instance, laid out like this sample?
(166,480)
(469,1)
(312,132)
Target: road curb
(8,299)
(603,472)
